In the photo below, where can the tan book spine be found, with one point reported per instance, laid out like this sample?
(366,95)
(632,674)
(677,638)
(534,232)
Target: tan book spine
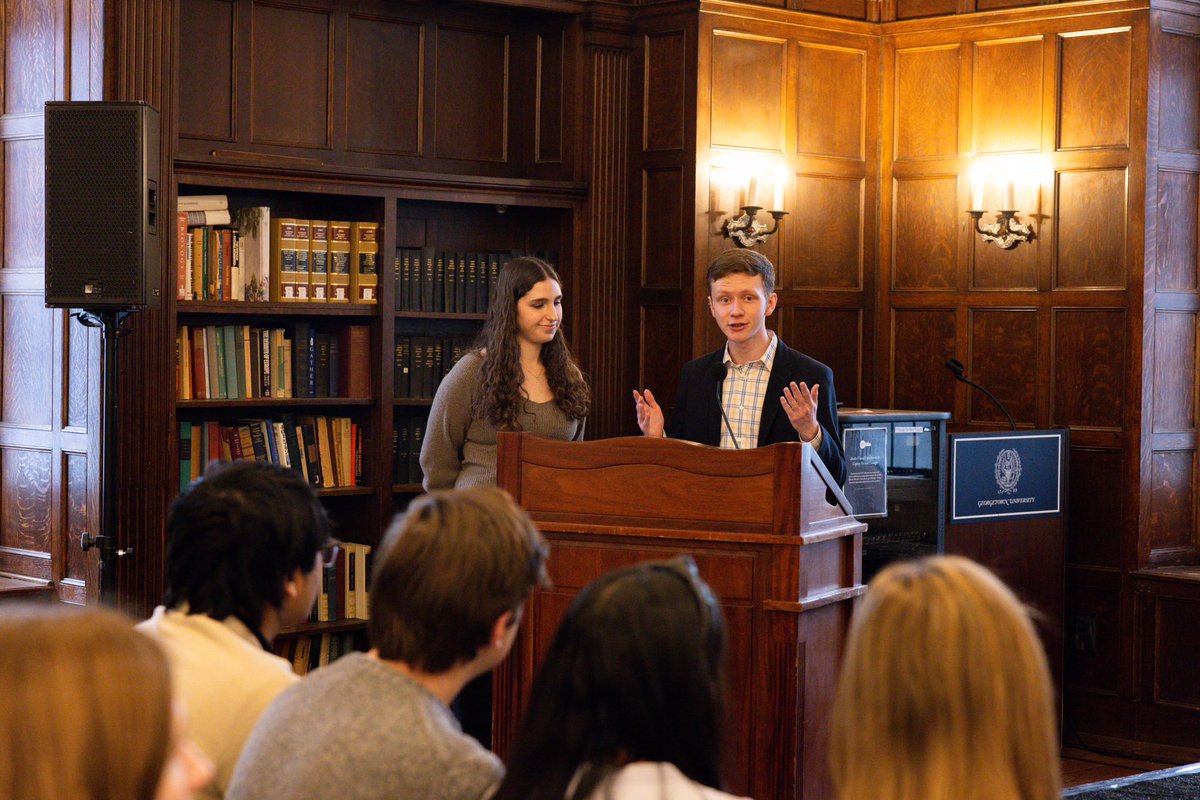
(364,261)
(300,243)
(318,260)
(339,262)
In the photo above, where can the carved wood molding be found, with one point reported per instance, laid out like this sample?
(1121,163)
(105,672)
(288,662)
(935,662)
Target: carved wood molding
(602,277)
(141,33)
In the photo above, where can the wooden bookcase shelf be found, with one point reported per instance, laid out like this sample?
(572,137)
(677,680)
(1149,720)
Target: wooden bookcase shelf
(438,315)
(274,402)
(335,626)
(232,308)
(347,491)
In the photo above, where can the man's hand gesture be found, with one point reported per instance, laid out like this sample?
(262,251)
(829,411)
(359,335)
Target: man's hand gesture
(649,413)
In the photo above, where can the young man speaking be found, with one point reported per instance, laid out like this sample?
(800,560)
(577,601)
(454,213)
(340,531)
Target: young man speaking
(756,390)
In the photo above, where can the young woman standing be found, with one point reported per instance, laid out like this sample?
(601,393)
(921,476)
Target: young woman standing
(521,377)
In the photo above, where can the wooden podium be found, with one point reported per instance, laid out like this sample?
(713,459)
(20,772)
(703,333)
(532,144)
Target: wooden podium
(784,562)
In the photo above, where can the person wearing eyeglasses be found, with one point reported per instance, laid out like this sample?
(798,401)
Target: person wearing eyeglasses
(450,582)
(629,701)
(245,547)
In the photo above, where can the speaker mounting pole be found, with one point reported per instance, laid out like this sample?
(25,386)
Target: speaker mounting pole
(111,322)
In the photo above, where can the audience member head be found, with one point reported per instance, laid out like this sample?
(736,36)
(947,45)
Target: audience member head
(501,375)
(944,693)
(243,539)
(86,711)
(744,262)
(635,673)
(451,578)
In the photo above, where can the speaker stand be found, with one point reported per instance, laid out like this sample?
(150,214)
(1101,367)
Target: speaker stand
(111,323)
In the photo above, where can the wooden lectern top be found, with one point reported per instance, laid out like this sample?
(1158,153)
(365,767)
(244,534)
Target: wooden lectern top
(642,483)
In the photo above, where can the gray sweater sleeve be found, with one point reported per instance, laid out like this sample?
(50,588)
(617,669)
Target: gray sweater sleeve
(449,419)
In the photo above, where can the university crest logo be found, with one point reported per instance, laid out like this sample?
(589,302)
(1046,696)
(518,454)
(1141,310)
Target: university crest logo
(1008,470)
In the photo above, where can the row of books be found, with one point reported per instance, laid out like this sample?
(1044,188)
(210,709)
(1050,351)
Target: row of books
(307,653)
(241,362)
(213,262)
(245,254)
(428,279)
(327,451)
(321,261)
(344,585)
(221,254)
(407,435)
(420,363)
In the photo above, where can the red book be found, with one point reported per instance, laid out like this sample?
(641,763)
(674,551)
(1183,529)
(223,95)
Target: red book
(212,431)
(199,365)
(354,361)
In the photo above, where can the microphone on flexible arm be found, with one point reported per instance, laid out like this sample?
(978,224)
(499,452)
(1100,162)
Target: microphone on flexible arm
(959,371)
(719,371)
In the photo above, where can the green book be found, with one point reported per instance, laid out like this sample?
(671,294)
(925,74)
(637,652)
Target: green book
(222,386)
(232,376)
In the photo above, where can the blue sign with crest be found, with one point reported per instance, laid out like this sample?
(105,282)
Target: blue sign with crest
(996,475)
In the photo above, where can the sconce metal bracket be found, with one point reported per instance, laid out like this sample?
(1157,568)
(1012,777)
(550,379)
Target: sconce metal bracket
(1005,232)
(746,230)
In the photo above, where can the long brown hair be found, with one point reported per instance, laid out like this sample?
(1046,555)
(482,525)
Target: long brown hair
(944,693)
(498,399)
(86,707)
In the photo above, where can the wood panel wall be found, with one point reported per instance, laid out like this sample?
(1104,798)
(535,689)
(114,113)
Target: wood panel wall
(142,68)
(374,87)
(1169,382)
(1051,327)
(49,364)
(778,89)
(662,207)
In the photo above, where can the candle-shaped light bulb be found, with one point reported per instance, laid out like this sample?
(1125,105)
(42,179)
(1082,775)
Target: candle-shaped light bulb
(976,193)
(781,177)
(1008,197)
(752,192)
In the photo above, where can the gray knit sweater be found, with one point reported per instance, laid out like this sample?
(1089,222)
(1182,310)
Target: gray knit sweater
(361,730)
(459,451)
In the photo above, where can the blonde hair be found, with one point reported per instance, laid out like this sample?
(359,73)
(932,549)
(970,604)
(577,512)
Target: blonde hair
(86,708)
(944,693)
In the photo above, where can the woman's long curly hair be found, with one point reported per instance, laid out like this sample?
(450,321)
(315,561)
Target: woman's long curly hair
(498,399)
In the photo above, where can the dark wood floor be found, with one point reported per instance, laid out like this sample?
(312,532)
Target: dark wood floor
(1080,766)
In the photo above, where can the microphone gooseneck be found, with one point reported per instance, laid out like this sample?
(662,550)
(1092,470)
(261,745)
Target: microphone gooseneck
(719,373)
(960,374)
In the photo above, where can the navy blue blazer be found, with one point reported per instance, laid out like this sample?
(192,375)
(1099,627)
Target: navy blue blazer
(697,416)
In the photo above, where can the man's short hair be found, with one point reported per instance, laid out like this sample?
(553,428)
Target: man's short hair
(234,537)
(746,262)
(447,570)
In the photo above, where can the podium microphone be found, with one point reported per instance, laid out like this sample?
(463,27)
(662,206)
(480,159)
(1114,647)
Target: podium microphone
(719,371)
(959,371)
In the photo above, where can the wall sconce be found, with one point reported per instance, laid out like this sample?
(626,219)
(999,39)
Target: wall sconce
(746,230)
(1005,232)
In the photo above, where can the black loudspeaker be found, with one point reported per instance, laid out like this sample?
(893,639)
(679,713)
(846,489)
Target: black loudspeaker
(103,213)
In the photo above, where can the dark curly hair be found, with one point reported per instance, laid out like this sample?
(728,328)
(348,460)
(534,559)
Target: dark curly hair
(498,399)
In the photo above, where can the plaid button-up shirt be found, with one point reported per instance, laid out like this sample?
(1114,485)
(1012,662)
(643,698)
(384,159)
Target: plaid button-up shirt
(743,396)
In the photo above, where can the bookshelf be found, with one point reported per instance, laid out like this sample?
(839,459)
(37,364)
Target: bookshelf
(445,262)
(448,227)
(305,367)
